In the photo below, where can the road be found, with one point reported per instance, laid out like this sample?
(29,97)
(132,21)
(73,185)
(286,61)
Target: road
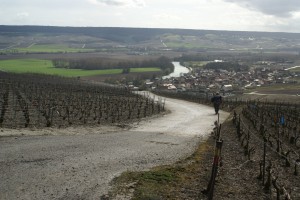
(80,163)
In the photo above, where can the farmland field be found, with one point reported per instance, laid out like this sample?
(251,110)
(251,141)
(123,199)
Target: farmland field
(196,64)
(187,45)
(46,67)
(296,69)
(49,48)
(145,70)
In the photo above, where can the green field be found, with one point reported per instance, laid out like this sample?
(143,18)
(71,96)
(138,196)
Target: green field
(186,45)
(197,64)
(49,48)
(144,70)
(46,67)
(295,69)
(172,37)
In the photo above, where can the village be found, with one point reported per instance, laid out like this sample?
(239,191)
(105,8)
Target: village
(205,82)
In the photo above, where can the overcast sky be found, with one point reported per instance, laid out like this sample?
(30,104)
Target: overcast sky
(245,15)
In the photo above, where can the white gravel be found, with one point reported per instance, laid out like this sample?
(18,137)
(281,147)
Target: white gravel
(79,163)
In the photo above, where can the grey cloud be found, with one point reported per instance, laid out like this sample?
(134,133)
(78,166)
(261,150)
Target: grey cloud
(139,2)
(112,2)
(280,8)
(122,2)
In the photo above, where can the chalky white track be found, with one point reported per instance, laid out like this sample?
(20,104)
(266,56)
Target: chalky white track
(80,163)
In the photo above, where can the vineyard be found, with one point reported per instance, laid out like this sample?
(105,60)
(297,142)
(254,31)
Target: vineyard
(269,133)
(50,101)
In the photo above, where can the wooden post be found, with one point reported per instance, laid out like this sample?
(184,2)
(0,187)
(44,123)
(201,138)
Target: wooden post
(276,188)
(296,168)
(264,156)
(238,128)
(219,132)
(211,185)
(278,138)
(267,186)
(247,145)
(234,118)
(260,170)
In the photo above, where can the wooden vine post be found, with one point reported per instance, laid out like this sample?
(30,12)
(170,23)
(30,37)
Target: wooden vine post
(216,162)
(296,168)
(264,154)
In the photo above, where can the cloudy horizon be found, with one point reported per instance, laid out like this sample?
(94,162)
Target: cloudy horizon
(235,15)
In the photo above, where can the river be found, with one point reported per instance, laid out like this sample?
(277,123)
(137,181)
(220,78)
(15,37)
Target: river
(179,70)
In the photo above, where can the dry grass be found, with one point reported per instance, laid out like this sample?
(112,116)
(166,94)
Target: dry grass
(179,181)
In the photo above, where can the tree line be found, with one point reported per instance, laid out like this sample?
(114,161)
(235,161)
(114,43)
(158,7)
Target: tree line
(162,62)
(226,66)
(241,56)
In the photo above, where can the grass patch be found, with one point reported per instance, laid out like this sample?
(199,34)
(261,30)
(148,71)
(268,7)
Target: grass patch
(51,48)
(165,182)
(144,69)
(186,45)
(295,69)
(197,64)
(153,184)
(150,180)
(172,37)
(46,67)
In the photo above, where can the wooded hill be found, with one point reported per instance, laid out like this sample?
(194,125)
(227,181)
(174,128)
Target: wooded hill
(172,37)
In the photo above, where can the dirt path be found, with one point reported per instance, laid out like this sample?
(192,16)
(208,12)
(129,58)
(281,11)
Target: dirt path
(79,163)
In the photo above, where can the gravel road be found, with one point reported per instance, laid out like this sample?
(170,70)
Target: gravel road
(79,163)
